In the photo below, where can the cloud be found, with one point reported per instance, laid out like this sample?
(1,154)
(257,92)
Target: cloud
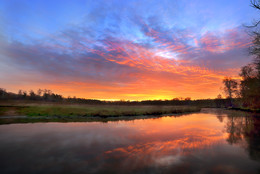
(155,60)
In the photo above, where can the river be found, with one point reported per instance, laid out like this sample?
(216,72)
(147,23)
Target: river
(212,141)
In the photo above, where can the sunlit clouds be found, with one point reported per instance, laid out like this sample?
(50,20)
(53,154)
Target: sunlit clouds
(114,51)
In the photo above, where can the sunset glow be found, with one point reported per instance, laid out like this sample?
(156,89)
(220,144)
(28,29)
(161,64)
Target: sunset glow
(129,50)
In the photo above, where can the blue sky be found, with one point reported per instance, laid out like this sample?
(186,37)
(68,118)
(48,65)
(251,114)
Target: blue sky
(119,45)
(24,19)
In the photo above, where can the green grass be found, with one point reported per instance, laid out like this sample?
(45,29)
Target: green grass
(85,113)
(102,111)
(3,110)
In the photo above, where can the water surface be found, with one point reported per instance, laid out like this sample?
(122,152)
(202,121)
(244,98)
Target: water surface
(213,141)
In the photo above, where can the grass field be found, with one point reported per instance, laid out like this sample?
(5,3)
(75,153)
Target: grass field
(32,113)
(93,110)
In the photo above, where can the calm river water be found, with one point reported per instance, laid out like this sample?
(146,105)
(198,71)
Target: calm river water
(212,141)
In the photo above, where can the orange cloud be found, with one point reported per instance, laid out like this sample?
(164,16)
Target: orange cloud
(117,68)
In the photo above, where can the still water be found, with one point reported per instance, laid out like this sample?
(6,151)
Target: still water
(212,141)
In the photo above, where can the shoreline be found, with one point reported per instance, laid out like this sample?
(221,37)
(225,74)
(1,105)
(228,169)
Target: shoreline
(245,110)
(34,113)
(65,119)
(24,113)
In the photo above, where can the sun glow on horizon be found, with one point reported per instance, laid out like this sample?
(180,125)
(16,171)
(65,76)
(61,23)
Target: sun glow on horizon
(123,54)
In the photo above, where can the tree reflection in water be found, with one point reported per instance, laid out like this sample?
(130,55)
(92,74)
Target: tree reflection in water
(243,129)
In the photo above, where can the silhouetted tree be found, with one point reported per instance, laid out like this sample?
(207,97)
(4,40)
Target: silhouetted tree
(24,94)
(3,93)
(187,99)
(219,101)
(230,88)
(249,86)
(255,4)
(250,83)
(32,95)
(39,92)
(219,96)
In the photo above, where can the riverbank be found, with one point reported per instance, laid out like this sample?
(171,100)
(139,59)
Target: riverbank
(246,110)
(80,113)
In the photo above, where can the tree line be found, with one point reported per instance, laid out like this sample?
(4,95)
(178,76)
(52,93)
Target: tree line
(45,95)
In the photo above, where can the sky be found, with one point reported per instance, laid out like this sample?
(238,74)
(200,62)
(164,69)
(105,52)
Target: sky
(123,49)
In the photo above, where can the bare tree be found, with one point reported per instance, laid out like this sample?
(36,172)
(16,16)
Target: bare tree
(250,83)
(230,88)
(219,96)
(39,92)
(2,92)
(255,4)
